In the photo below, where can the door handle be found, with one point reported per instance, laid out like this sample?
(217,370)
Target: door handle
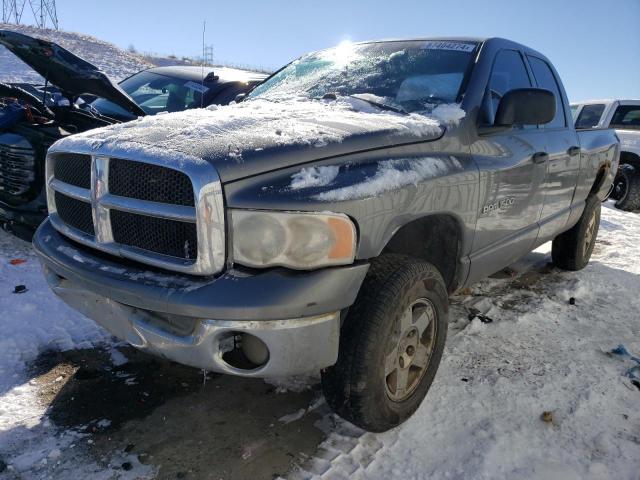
(540,157)
(572,151)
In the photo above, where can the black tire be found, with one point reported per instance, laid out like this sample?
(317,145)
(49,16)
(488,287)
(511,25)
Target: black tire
(627,188)
(572,249)
(357,386)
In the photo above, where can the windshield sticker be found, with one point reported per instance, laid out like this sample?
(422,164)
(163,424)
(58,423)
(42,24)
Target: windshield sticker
(457,46)
(196,86)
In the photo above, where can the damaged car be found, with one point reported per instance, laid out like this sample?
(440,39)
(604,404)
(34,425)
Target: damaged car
(321,224)
(77,97)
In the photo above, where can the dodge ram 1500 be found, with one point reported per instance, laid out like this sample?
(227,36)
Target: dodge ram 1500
(321,223)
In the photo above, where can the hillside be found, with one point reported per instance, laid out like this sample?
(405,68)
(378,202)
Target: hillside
(116,63)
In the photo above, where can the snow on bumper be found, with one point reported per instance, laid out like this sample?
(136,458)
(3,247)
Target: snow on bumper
(292,320)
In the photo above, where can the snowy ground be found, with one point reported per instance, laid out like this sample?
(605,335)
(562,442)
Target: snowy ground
(483,418)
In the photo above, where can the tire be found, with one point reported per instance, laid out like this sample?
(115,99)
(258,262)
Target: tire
(399,320)
(618,186)
(627,188)
(572,249)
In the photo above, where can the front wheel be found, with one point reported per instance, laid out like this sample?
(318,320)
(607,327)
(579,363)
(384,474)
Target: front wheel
(390,345)
(572,249)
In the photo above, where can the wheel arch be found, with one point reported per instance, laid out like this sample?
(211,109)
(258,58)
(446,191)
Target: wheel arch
(435,238)
(601,176)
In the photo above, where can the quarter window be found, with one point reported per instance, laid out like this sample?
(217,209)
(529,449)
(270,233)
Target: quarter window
(545,79)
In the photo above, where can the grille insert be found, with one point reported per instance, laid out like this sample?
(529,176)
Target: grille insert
(154,183)
(74,169)
(17,169)
(166,237)
(75,213)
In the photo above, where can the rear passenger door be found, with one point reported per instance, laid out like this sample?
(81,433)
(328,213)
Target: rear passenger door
(563,150)
(512,166)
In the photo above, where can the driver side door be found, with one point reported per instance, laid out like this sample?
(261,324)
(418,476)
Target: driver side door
(513,166)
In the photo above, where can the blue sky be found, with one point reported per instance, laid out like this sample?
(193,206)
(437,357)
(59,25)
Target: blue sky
(595,44)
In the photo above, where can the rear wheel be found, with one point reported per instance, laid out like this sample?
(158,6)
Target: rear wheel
(390,345)
(626,188)
(572,249)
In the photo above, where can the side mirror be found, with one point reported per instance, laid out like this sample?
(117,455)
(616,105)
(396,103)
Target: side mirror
(240,97)
(526,106)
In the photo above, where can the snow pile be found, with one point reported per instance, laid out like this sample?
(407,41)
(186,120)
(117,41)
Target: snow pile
(392,175)
(314,177)
(114,62)
(448,113)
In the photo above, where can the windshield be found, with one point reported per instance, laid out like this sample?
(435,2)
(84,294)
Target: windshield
(154,93)
(413,75)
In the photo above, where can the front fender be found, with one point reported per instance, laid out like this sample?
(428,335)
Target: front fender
(381,191)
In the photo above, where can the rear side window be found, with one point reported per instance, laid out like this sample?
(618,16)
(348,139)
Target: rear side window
(508,73)
(626,116)
(590,116)
(545,79)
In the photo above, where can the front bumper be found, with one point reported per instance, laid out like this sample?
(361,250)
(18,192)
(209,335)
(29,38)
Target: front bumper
(295,314)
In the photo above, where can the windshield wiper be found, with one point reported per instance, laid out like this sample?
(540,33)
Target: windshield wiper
(375,103)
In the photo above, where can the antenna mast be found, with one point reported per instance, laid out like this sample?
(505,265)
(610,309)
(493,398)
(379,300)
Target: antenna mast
(204,29)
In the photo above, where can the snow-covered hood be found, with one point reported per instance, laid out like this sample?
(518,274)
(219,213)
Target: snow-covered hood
(262,135)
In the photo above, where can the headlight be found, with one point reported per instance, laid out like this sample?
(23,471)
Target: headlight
(300,240)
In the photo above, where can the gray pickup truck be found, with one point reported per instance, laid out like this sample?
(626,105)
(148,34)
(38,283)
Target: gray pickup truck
(321,223)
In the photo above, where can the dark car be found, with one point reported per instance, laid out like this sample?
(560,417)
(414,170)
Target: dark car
(78,97)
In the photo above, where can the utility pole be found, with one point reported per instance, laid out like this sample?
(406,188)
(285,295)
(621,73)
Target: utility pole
(44,11)
(12,11)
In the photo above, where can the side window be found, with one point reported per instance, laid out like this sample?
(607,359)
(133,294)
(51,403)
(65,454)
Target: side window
(590,116)
(508,73)
(545,78)
(626,117)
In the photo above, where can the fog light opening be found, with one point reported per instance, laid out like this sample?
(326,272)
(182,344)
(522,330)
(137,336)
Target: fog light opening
(243,351)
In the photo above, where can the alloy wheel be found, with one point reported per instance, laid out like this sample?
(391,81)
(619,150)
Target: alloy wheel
(409,349)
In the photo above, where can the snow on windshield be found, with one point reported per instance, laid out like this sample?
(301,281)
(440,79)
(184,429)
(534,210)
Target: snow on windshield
(413,75)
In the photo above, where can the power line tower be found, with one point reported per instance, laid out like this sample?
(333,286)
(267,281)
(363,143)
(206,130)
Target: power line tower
(44,11)
(12,11)
(207,54)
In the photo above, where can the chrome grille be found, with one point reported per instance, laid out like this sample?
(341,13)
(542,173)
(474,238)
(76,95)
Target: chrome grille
(17,164)
(135,208)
